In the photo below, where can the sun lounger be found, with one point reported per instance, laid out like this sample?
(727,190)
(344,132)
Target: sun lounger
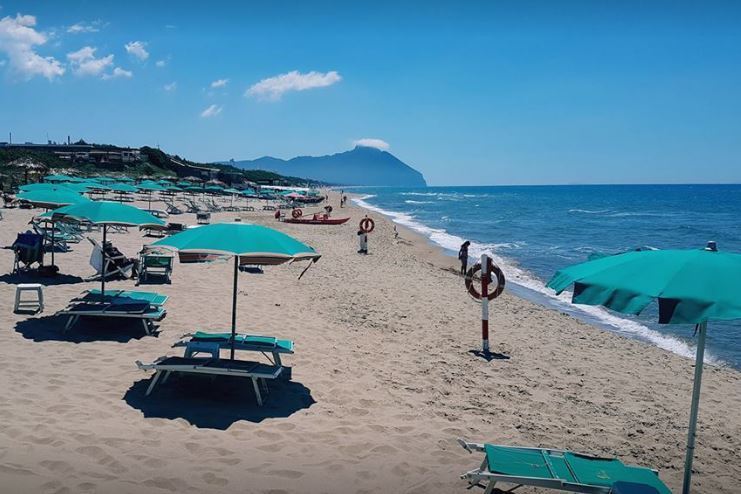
(153,263)
(119,308)
(559,470)
(152,298)
(171,208)
(242,342)
(116,263)
(255,371)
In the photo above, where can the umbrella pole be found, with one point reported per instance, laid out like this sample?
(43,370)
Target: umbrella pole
(699,359)
(234,306)
(53,225)
(105,267)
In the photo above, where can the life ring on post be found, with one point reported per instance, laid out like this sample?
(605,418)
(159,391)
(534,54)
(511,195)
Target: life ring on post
(297,213)
(367,225)
(494,271)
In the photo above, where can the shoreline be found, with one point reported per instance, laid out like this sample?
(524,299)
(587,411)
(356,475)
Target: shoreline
(383,380)
(594,316)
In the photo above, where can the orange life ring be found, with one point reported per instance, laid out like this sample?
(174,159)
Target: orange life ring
(367,225)
(494,270)
(297,213)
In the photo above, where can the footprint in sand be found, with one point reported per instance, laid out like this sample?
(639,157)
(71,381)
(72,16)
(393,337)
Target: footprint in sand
(102,458)
(211,479)
(289,474)
(55,487)
(57,466)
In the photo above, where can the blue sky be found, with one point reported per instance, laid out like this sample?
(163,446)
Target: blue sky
(485,93)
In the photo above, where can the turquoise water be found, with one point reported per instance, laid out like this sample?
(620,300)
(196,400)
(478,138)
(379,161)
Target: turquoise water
(532,231)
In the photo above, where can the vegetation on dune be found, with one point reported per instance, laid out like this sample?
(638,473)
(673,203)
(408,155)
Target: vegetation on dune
(154,163)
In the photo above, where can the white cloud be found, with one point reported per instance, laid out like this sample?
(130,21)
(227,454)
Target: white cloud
(273,88)
(81,27)
(170,87)
(18,40)
(219,83)
(160,63)
(84,62)
(118,72)
(137,49)
(370,142)
(211,111)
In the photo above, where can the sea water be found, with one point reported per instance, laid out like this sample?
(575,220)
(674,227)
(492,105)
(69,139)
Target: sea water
(532,231)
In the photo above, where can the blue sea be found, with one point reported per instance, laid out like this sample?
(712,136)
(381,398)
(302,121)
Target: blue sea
(532,231)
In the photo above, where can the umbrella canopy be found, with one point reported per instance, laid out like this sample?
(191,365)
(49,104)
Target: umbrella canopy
(122,188)
(252,244)
(108,213)
(691,286)
(60,178)
(42,186)
(53,197)
(148,186)
(79,186)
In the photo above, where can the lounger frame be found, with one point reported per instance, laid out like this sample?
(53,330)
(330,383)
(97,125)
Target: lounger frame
(199,366)
(147,318)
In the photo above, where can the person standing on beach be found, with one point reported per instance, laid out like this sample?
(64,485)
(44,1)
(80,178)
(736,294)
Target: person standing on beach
(463,256)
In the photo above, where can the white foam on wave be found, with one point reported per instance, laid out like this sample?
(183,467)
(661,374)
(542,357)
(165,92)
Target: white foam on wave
(409,201)
(523,278)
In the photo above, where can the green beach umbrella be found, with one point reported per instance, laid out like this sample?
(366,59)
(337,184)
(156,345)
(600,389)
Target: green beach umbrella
(122,188)
(50,198)
(250,244)
(80,187)
(60,178)
(106,213)
(42,186)
(148,186)
(690,286)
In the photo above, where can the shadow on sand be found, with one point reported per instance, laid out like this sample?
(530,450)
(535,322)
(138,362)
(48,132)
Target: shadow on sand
(489,356)
(35,277)
(217,403)
(87,330)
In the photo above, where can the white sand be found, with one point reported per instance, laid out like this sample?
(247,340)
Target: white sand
(383,382)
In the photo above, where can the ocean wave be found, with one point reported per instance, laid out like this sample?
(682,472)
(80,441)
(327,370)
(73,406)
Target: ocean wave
(409,201)
(589,211)
(523,278)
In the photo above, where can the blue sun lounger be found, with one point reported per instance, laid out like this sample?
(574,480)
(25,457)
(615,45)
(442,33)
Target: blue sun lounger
(559,470)
(203,342)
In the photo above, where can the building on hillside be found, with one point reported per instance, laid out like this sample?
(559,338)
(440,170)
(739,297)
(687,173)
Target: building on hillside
(81,152)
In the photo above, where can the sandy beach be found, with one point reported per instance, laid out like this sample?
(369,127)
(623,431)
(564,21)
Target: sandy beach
(383,380)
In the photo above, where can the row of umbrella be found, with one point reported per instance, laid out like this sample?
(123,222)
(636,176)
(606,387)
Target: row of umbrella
(246,243)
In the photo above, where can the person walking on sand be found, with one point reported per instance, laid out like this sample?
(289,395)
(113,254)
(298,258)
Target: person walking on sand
(463,256)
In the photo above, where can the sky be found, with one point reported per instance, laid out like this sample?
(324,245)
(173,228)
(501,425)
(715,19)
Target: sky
(469,93)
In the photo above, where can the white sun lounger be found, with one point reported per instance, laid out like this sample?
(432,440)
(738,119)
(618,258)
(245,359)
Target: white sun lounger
(214,367)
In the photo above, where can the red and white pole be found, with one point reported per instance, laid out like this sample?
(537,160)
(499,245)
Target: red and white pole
(485,302)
